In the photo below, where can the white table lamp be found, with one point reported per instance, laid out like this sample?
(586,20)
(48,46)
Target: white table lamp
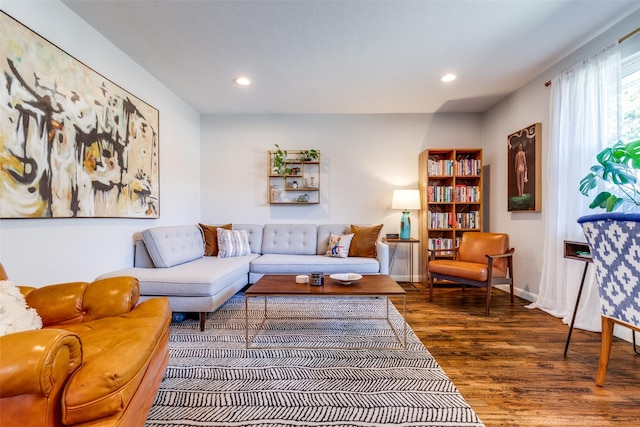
(405,200)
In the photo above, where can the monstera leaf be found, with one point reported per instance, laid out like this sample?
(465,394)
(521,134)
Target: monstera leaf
(618,165)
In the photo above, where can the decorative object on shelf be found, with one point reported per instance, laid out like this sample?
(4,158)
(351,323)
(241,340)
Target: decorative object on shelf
(276,193)
(524,169)
(619,167)
(279,161)
(309,155)
(405,200)
(294,184)
(73,143)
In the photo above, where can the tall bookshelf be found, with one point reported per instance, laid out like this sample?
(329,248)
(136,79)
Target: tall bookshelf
(451,196)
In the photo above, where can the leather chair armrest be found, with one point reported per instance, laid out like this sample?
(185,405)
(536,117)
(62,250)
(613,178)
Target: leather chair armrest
(37,362)
(507,254)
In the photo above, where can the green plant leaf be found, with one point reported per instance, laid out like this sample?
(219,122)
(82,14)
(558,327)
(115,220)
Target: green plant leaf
(588,183)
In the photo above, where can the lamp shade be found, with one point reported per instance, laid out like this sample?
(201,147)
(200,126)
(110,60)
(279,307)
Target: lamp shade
(406,199)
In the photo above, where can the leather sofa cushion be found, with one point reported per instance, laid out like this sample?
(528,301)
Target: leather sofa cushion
(116,353)
(465,270)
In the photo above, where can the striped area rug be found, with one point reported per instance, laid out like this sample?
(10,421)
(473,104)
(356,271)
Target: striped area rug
(309,372)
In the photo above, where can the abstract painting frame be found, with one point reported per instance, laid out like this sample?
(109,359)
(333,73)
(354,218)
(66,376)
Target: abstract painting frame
(524,169)
(73,144)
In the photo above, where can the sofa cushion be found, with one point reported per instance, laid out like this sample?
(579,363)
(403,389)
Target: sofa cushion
(339,245)
(173,245)
(232,243)
(292,239)
(305,264)
(210,233)
(364,240)
(254,231)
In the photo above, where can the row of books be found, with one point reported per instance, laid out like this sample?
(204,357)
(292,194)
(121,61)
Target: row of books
(443,244)
(443,220)
(467,193)
(440,220)
(468,220)
(445,193)
(468,167)
(440,167)
(463,167)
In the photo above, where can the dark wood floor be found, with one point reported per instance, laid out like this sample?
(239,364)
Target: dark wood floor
(510,366)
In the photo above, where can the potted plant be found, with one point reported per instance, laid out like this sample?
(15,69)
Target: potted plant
(309,155)
(279,161)
(619,166)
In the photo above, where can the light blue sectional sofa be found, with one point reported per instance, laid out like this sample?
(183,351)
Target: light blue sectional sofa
(169,261)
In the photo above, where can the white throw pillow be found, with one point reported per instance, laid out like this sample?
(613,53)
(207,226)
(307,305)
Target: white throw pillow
(15,316)
(339,245)
(233,243)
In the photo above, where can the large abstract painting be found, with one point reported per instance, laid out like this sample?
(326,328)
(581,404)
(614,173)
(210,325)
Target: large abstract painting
(72,143)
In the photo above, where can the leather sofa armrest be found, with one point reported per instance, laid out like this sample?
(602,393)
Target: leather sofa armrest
(77,302)
(382,254)
(110,297)
(37,362)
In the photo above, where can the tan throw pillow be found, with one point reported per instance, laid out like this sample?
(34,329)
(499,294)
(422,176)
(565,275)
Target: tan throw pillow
(210,233)
(364,240)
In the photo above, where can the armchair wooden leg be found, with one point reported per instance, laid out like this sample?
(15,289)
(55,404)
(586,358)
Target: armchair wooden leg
(511,289)
(605,350)
(430,287)
(488,298)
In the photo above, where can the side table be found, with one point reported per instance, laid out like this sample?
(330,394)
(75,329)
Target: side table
(410,242)
(578,251)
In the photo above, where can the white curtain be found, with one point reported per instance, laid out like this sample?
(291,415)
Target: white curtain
(585,118)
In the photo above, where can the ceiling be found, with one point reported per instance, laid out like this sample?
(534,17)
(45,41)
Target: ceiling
(327,56)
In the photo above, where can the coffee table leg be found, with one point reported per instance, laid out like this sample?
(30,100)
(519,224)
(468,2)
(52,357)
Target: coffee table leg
(246,323)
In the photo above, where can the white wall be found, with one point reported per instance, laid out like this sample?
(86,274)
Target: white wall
(529,105)
(43,251)
(364,158)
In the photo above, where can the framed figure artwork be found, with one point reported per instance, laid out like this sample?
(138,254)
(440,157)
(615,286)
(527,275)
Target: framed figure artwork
(524,169)
(73,144)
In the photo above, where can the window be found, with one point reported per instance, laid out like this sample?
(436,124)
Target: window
(630,102)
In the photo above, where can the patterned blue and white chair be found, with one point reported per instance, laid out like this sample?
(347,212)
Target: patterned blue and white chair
(614,241)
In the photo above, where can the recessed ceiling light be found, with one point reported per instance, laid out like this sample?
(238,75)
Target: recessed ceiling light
(448,78)
(243,81)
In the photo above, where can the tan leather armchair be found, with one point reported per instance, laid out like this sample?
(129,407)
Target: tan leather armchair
(482,259)
(98,360)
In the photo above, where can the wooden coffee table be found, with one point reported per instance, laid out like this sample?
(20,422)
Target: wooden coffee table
(285,285)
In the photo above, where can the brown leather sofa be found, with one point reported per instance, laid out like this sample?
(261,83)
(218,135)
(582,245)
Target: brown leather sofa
(98,361)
